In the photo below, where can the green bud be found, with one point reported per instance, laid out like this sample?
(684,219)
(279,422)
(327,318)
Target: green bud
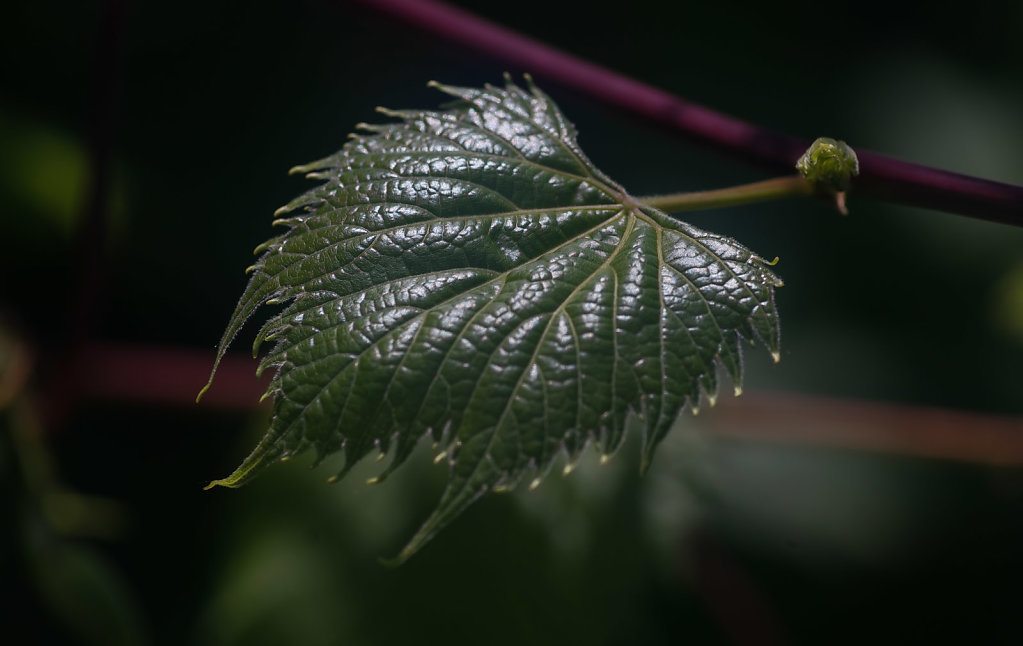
(829,162)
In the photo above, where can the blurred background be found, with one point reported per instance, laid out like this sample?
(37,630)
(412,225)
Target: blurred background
(866,489)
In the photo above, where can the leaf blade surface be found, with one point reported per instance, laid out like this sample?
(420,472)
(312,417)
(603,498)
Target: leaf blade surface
(469,274)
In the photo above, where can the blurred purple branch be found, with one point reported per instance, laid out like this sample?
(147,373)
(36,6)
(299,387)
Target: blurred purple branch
(91,235)
(880,176)
(730,592)
(893,429)
(153,375)
(88,266)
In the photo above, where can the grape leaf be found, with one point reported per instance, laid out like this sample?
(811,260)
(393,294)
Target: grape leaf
(468,274)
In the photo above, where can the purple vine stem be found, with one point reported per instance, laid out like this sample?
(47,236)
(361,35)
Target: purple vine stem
(880,176)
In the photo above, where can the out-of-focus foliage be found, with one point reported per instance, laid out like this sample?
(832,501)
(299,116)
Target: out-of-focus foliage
(1007,303)
(44,176)
(43,527)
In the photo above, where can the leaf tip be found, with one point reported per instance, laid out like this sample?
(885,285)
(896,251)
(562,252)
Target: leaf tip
(535,484)
(213,373)
(393,562)
(411,548)
(568,469)
(226,482)
(776,356)
(604,459)
(202,392)
(647,459)
(738,391)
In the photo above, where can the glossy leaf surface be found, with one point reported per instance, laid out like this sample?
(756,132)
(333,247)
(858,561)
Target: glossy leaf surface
(468,274)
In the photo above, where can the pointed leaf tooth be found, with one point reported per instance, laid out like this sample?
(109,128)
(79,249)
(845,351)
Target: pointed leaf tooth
(271,362)
(268,332)
(396,462)
(308,198)
(730,357)
(708,383)
(396,114)
(266,246)
(319,164)
(261,457)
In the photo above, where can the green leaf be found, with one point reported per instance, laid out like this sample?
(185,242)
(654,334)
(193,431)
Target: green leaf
(468,274)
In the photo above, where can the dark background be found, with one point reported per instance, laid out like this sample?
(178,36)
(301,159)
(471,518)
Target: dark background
(201,108)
